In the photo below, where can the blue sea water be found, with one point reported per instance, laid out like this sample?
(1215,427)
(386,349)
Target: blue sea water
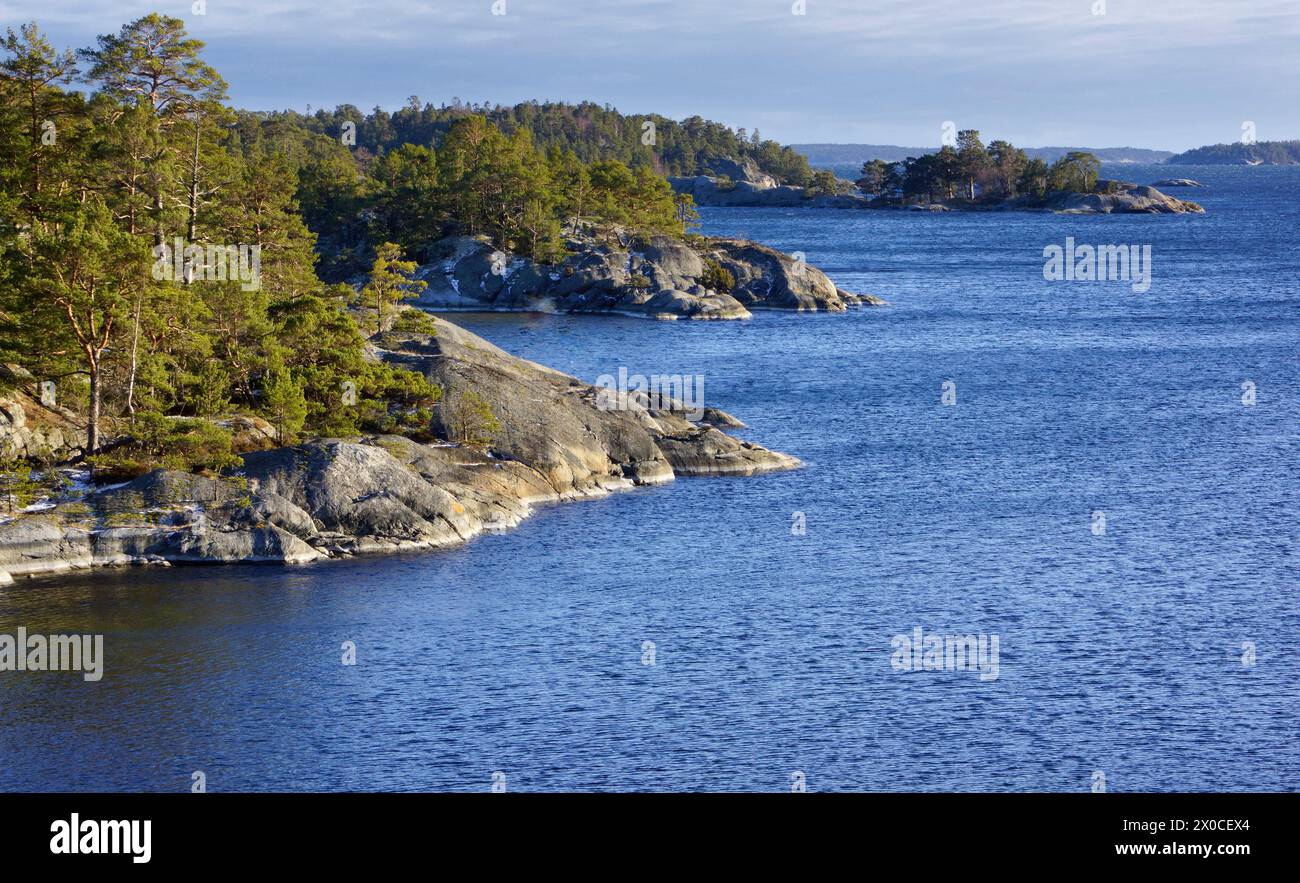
(524,653)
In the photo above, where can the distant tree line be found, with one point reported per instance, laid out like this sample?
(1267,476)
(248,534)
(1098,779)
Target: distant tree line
(592,132)
(971,172)
(477,181)
(1282,153)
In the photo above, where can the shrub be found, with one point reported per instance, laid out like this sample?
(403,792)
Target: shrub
(118,466)
(284,403)
(415,321)
(398,402)
(716,276)
(469,420)
(181,444)
(17,488)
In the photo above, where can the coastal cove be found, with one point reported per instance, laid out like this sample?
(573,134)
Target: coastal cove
(523,652)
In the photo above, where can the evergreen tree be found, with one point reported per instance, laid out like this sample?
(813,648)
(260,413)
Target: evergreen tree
(284,404)
(1075,172)
(874,175)
(86,274)
(31,74)
(972,160)
(390,281)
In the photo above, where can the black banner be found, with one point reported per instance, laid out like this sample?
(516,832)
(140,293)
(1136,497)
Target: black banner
(334,832)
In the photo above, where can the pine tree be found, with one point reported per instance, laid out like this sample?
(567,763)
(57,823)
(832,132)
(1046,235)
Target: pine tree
(152,61)
(32,73)
(390,281)
(86,273)
(284,404)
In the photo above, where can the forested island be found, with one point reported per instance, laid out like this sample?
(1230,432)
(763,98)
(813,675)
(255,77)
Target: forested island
(1258,153)
(857,154)
(964,176)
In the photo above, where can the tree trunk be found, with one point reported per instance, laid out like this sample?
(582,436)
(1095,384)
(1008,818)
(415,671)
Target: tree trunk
(135,349)
(158,237)
(92,425)
(194,187)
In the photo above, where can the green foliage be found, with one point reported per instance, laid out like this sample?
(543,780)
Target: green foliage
(119,465)
(824,183)
(390,281)
(190,445)
(973,162)
(1076,172)
(972,172)
(415,322)
(152,59)
(211,393)
(469,419)
(519,176)
(151,155)
(1282,153)
(397,402)
(632,197)
(284,404)
(875,177)
(1034,179)
(17,488)
(406,207)
(589,131)
(716,276)
(158,441)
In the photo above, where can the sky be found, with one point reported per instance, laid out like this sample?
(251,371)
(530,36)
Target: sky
(1164,74)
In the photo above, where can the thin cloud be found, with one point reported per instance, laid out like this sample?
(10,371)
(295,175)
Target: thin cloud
(846,70)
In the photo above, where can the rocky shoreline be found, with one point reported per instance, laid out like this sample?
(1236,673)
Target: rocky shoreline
(330,498)
(657,277)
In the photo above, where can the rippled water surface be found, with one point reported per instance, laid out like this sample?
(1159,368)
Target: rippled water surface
(523,652)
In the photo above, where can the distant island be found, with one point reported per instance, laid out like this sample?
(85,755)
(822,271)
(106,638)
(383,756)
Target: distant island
(966,177)
(1261,153)
(843,154)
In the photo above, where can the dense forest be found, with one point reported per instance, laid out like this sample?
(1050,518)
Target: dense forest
(971,172)
(1278,153)
(477,180)
(168,261)
(591,131)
